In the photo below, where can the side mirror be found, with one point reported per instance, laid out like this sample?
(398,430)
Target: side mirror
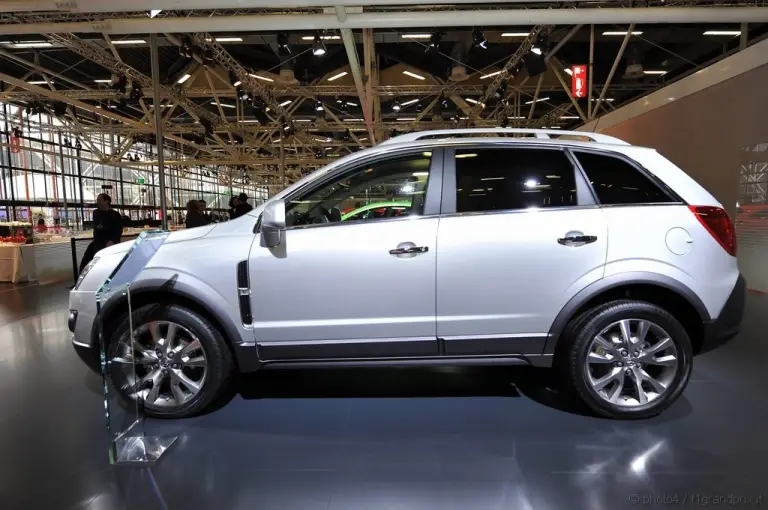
(272,224)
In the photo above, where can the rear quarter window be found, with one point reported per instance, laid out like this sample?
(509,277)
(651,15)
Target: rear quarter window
(617,182)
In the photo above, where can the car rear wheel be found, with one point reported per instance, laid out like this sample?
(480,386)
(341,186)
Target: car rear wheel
(178,363)
(628,359)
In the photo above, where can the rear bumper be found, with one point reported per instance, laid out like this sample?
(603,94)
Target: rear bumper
(727,325)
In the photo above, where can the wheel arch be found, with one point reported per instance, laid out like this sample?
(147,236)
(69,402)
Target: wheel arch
(171,291)
(672,295)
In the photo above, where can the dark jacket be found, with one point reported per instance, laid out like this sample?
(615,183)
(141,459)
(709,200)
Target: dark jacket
(107,226)
(195,219)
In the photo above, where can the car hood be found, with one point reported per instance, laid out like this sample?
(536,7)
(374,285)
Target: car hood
(173,237)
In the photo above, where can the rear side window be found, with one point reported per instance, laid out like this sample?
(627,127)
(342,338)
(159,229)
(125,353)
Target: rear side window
(617,182)
(497,179)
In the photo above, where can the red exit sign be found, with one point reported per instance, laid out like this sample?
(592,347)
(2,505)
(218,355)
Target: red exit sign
(579,81)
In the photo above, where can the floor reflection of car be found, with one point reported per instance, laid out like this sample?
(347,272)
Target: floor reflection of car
(379,210)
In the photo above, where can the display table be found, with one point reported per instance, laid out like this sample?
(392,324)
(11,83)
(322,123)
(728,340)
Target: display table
(16,264)
(43,263)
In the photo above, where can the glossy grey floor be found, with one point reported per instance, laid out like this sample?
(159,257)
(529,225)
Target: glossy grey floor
(379,439)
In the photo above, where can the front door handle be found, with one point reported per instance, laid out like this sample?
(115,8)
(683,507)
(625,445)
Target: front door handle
(577,240)
(408,250)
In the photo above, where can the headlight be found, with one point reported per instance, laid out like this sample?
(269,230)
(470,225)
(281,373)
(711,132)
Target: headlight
(85,272)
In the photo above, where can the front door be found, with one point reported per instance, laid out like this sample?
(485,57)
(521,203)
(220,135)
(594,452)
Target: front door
(358,288)
(521,235)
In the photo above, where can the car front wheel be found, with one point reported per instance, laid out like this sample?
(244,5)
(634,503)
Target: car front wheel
(178,363)
(628,359)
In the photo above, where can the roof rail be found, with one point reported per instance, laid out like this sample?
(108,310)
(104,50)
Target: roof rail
(543,134)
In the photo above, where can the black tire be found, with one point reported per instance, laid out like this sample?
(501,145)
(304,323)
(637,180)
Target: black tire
(583,329)
(220,365)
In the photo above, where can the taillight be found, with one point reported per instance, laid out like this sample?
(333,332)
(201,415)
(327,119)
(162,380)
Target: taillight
(719,224)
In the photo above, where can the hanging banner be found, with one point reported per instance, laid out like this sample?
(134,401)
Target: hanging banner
(579,81)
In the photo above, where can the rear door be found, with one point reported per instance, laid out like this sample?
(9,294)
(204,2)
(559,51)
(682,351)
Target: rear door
(519,235)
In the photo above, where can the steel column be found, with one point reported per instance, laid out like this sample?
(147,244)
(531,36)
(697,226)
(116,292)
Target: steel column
(158,128)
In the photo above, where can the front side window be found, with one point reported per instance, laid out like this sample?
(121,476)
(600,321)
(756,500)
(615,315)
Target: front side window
(616,182)
(368,193)
(492,179)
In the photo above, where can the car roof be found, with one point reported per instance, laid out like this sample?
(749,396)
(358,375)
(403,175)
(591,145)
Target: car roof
(537,134)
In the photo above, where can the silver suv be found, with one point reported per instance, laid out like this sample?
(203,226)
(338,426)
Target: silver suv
(524,247)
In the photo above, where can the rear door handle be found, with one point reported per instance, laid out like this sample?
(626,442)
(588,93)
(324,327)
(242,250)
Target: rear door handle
(409,249)
(577,240)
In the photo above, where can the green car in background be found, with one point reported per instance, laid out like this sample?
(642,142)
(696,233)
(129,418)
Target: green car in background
(379,210)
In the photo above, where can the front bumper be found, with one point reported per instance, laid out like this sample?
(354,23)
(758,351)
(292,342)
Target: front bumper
(727,325)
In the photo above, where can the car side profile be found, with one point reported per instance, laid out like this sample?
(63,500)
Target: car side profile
(569,250)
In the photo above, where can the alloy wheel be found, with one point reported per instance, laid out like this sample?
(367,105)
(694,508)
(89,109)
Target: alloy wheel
(170,364)
(631,363)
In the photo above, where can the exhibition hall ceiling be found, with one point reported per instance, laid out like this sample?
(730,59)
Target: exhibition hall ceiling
(335,90)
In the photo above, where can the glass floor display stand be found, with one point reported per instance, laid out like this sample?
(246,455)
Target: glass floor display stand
(123,386)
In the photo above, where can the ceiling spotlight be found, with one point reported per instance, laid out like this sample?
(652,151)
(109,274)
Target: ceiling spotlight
(540,45)
(396,105)
(153,12)
(434,42)
(242,95)
(318,46)
(121,84)
(136,92)
(319,106)
(419,107)
(478,40)
(282,43)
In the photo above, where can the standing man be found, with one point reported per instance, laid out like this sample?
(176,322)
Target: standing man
(107,228)
(244,207)
(204,211)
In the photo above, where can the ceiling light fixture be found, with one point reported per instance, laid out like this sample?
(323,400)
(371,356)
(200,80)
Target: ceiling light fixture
(258,77)
(103,81)
(337,76)
(38,82)
(538,100)
(286,103)
(396,105)
(319,106)
(409,102)
(229,39)
(515,34)
(723,32)
(658,73)
(490,74)
(318,47)
(416,36)
(568,117)
(40,44)
(130,41)
(413,75)
(406,119)
(474,101)
(184,78)
(568,71)
(225,105)
(324,37)
(153,12)
(621,33)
